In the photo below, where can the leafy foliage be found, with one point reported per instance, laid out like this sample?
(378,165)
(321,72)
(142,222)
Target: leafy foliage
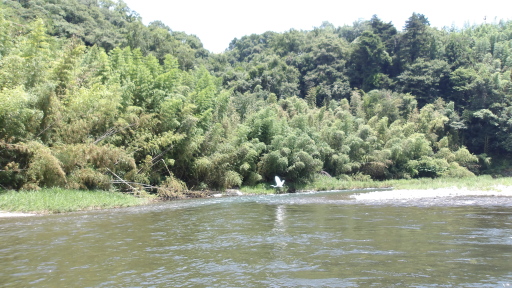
(90,94)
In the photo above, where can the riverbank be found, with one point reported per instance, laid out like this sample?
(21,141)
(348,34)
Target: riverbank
(57,200)
(5,214)
(498,191)
(441,197)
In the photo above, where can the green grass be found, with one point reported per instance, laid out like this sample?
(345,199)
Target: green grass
(484,182)
(260,189)
(323,183)
(57,200)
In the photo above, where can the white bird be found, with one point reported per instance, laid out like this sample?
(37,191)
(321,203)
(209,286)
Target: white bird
(279,183)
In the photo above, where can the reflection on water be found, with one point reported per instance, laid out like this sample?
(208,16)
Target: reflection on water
(310,240)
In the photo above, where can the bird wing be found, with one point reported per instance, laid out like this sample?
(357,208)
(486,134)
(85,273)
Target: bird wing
(278,180)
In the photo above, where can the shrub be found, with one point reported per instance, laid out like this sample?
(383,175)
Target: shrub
(232,179)
(361,177)
(376,170)
(88,179)
(44,169)
(252,179)
(14,159)
(172,188)
(427,167)
(457,171)
(466,159)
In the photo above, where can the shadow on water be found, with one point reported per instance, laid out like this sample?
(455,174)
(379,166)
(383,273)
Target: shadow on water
(293,240)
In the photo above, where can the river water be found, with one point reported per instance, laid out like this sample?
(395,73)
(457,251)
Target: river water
(294,240)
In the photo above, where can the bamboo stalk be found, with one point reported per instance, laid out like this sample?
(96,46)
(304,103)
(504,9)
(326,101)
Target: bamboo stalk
(170,174)
(122,180)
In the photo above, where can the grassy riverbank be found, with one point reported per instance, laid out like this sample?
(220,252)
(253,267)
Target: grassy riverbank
(322,183)
(57,200)
(484,182)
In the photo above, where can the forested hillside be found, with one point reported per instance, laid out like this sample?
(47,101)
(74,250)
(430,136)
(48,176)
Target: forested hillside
(89,94)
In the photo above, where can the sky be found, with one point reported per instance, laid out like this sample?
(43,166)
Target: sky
(218,22)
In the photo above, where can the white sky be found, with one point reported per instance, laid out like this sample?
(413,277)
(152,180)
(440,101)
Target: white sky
(217,22)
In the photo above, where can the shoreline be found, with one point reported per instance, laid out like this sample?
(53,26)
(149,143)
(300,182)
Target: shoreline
(411,194)
(393,195)
(6,214)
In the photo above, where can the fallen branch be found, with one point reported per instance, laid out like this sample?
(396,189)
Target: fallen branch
(122,180)
(44,130)
(153,160)
(145,186)
(325,173)
(170,174)
(111,132)
(162,153)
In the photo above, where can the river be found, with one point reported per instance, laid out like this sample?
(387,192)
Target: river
(293,240)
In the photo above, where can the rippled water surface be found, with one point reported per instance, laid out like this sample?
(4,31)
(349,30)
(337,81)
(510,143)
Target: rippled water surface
(308,240)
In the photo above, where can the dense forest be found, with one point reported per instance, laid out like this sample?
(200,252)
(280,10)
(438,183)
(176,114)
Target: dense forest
(89,95)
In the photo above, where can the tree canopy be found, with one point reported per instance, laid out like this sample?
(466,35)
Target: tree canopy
(89,94)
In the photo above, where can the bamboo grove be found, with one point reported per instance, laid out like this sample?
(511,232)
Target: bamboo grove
(89,95)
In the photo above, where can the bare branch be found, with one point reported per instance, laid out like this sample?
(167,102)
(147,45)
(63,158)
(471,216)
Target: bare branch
(123,181)
(111,132)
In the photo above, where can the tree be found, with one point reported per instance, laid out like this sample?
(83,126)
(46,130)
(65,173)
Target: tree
(386,32)
(415,41)
(427,80)
(368,60)
(323,65)
(458,50)
(17,118)
(483,128)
